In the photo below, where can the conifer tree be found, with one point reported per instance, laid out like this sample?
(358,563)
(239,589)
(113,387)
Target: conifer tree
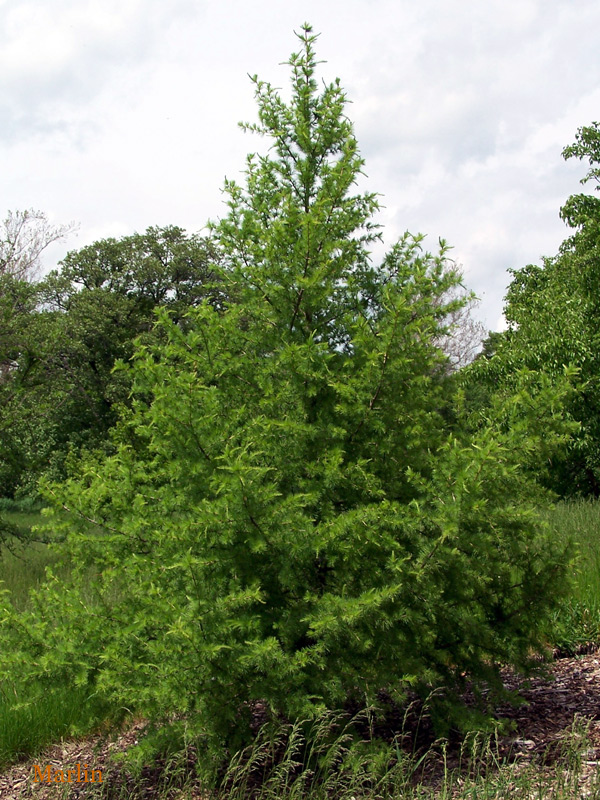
(291,516)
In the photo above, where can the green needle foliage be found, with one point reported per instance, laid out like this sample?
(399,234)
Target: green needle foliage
(291,514)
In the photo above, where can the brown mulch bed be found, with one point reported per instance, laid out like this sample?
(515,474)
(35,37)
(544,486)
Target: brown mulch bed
(567,699)
(554,706)
(558,711)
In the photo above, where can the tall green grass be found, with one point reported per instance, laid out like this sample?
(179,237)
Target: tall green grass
(341,767)
(577,621)
(31,720)
(326,759)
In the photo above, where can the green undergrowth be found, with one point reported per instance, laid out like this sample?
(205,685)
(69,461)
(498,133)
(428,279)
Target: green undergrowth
(577,621)
(25,556)
(22,505)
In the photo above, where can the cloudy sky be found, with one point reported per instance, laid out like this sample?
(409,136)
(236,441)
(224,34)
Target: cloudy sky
(120,114)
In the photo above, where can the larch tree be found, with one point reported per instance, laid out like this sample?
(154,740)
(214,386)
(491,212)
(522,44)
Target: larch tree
(292,515)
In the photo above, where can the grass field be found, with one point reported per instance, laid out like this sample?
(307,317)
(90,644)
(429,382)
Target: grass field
(577,623)
(29,718)
(23,559)
(29,721)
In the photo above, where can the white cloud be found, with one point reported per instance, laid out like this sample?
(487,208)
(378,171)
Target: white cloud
(123,114)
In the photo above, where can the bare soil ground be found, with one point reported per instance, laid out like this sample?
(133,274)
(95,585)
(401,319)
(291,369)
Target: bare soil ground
(567,700)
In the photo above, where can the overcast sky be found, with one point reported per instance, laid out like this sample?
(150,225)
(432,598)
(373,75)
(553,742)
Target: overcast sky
(120,114)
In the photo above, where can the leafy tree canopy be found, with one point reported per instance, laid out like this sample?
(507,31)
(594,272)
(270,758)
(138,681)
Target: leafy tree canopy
(553,315)
(291,515)
(61,338)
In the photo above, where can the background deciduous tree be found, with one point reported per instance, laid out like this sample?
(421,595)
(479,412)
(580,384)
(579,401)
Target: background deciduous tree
(465,333)
(60,339)
(24,235)
(553,315)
